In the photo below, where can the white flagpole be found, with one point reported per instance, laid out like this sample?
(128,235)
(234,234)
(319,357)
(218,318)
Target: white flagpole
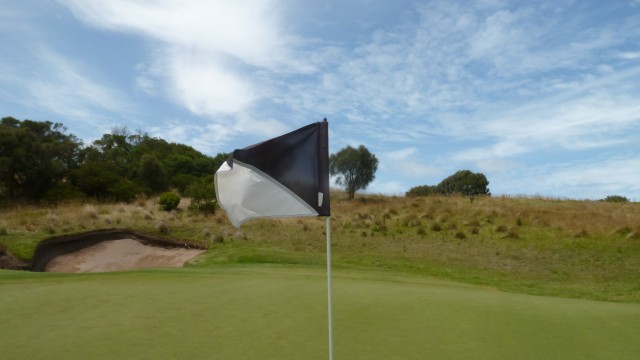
(328,222)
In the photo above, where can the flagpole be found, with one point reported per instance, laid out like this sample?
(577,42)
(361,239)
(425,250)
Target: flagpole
(328,231)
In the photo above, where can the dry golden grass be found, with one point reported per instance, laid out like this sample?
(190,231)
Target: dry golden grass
(535,245)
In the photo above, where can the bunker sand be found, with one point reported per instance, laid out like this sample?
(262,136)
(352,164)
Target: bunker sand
(121,254)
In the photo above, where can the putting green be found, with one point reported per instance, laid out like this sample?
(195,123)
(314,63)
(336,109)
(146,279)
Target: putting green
(265,312)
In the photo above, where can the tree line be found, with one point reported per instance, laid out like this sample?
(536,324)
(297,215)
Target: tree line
(40,161)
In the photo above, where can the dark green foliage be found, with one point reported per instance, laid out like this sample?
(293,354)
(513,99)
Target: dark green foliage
(203,196)
(125,190)
(61,192)
(463,182)
(356,168)
(34,156)
(38,161)
(152,173)
(169,201)
(422,190)
(615,198)
(182,181)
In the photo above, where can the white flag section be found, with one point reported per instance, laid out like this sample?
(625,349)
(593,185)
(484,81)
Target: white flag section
(247,193)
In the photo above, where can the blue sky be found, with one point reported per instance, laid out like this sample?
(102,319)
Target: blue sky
(543,97)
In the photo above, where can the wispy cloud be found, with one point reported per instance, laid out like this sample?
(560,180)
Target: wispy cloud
(208,53)
(57,85)
(593,179)
(408,163)
(207,138)
(630,55)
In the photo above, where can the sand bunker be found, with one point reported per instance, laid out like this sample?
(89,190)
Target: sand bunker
(122,254)
(106,250)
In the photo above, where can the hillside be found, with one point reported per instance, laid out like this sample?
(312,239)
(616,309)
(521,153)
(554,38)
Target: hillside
(582,249)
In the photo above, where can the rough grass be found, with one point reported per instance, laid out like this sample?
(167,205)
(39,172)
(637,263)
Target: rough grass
(267,312)
(584,249)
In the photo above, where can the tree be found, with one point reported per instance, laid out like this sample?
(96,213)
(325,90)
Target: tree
(616,198)
(356,168)
(152,173)
(203,195)
(34,157)
(422,190)
(464,182)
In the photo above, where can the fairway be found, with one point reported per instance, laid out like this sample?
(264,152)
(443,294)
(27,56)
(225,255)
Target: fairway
(269,312)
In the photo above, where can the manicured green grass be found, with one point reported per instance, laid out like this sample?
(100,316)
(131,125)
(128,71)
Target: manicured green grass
(279,312)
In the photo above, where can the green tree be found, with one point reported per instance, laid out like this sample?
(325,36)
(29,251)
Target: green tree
(422,190)
(355,168)
(616,198)
(152,173)
(34,157)
(203,195)
(464,182)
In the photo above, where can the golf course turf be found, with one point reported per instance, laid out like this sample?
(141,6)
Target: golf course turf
(279,312)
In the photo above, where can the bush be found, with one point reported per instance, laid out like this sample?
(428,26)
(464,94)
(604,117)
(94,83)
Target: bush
(125,190)
(422,190)
(169,201)
(615,198)
(61,192)
(463,182)
(203,196)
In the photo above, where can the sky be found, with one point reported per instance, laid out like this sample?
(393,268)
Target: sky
(542,97)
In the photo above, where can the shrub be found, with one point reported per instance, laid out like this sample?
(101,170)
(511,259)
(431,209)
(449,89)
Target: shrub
(615,198)
(169,201)
(460,235)
(411,220)
(62,192)
(203,196)
(125,190)
(163,228)
(422,190)
(90,212)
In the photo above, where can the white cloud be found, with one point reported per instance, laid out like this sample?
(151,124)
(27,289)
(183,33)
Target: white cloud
(593,179)
(265,128)
(56,84)
(496,165)
(497,35)
(210,57)
(205,86)
(386,187)
(247,30)
(407,163)
(630,55)
(208,139)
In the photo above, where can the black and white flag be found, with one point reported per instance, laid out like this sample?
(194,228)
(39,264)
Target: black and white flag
(282,177)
